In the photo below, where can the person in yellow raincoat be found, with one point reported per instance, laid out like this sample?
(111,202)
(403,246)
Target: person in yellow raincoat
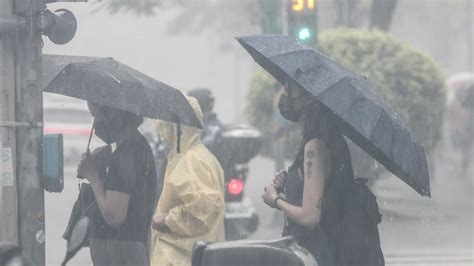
(191,205)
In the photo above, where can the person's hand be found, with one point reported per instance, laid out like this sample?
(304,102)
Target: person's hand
(101,157)
(270,195)
(158,222)
(280,179)
(87,168)
(102,153)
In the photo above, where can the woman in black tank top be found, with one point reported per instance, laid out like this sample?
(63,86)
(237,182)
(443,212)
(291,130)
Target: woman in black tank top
(314,184)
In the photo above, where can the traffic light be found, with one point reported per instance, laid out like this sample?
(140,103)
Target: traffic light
(302,20)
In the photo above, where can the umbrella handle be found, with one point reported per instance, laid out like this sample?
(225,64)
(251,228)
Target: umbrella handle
(178,133)
(88,151)
(90,137)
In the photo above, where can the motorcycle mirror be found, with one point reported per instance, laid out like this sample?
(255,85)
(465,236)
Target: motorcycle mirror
(78,237)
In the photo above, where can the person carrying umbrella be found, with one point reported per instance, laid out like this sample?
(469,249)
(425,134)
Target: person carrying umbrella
(331,214)
(118,97)
(125,198)
(191,205)
(321,170)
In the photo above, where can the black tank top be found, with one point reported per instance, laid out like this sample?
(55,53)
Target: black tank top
(319,242)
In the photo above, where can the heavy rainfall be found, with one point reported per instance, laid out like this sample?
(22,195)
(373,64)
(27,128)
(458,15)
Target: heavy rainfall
(237,132)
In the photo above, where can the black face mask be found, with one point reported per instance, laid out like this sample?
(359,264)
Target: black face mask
(287,110)
(105,131)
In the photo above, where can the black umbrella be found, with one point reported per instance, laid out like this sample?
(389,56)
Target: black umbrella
(108,82)
(362,115)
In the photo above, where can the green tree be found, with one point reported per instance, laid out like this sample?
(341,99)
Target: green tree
(407,79)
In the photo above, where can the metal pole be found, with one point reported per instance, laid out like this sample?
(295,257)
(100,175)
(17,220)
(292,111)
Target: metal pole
(8,184)
(29,108)
(22,209)
(469,35)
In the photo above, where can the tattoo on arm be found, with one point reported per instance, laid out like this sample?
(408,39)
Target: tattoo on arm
(309,164)
(309,171)
(320,202)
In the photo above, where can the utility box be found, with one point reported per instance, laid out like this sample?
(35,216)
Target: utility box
(53,163)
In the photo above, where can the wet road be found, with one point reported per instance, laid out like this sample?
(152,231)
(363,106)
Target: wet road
(58,209)
(414,231)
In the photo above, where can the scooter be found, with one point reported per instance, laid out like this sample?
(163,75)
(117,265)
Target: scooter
(235,146)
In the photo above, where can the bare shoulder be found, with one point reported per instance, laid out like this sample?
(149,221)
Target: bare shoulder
(315,147)
(317,158)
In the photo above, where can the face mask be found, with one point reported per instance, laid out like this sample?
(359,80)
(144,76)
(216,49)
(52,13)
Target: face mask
(107,131)
(287,110)
(103,132)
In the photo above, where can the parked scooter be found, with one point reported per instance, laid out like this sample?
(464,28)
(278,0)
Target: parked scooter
(234,146)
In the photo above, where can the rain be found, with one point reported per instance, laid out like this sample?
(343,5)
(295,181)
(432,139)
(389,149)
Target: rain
(237,132)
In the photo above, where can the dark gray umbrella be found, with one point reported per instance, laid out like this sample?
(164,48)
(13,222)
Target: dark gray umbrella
(111,83)
(362,115)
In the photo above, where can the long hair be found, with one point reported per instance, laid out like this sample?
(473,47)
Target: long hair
(317,124)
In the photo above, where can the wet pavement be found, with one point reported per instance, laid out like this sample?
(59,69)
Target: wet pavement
(414,230)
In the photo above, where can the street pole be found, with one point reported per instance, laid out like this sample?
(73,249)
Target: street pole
(22,118)
(8,185)
(29,109)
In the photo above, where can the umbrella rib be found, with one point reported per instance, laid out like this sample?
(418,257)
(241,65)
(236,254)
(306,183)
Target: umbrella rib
(112,76)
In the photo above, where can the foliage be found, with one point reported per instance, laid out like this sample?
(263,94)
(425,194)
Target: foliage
(260,108)
(406,78)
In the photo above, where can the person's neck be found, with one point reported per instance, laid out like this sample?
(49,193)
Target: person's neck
(302,119)
(126,134)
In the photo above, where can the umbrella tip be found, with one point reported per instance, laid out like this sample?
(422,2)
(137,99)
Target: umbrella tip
(426,193)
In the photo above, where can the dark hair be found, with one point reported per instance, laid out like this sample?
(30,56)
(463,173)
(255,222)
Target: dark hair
(130,119)
(120,116)
(317,124)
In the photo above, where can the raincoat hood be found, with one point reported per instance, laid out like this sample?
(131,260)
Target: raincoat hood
(192,197)
(190,136)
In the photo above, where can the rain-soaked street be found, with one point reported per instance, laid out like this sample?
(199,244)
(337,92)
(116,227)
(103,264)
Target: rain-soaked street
(368,106)
(425,233)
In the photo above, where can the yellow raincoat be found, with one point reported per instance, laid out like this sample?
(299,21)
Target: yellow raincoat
(193,196)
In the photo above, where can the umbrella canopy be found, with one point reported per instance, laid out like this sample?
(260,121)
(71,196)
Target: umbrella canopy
(108,82)
(361,115)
